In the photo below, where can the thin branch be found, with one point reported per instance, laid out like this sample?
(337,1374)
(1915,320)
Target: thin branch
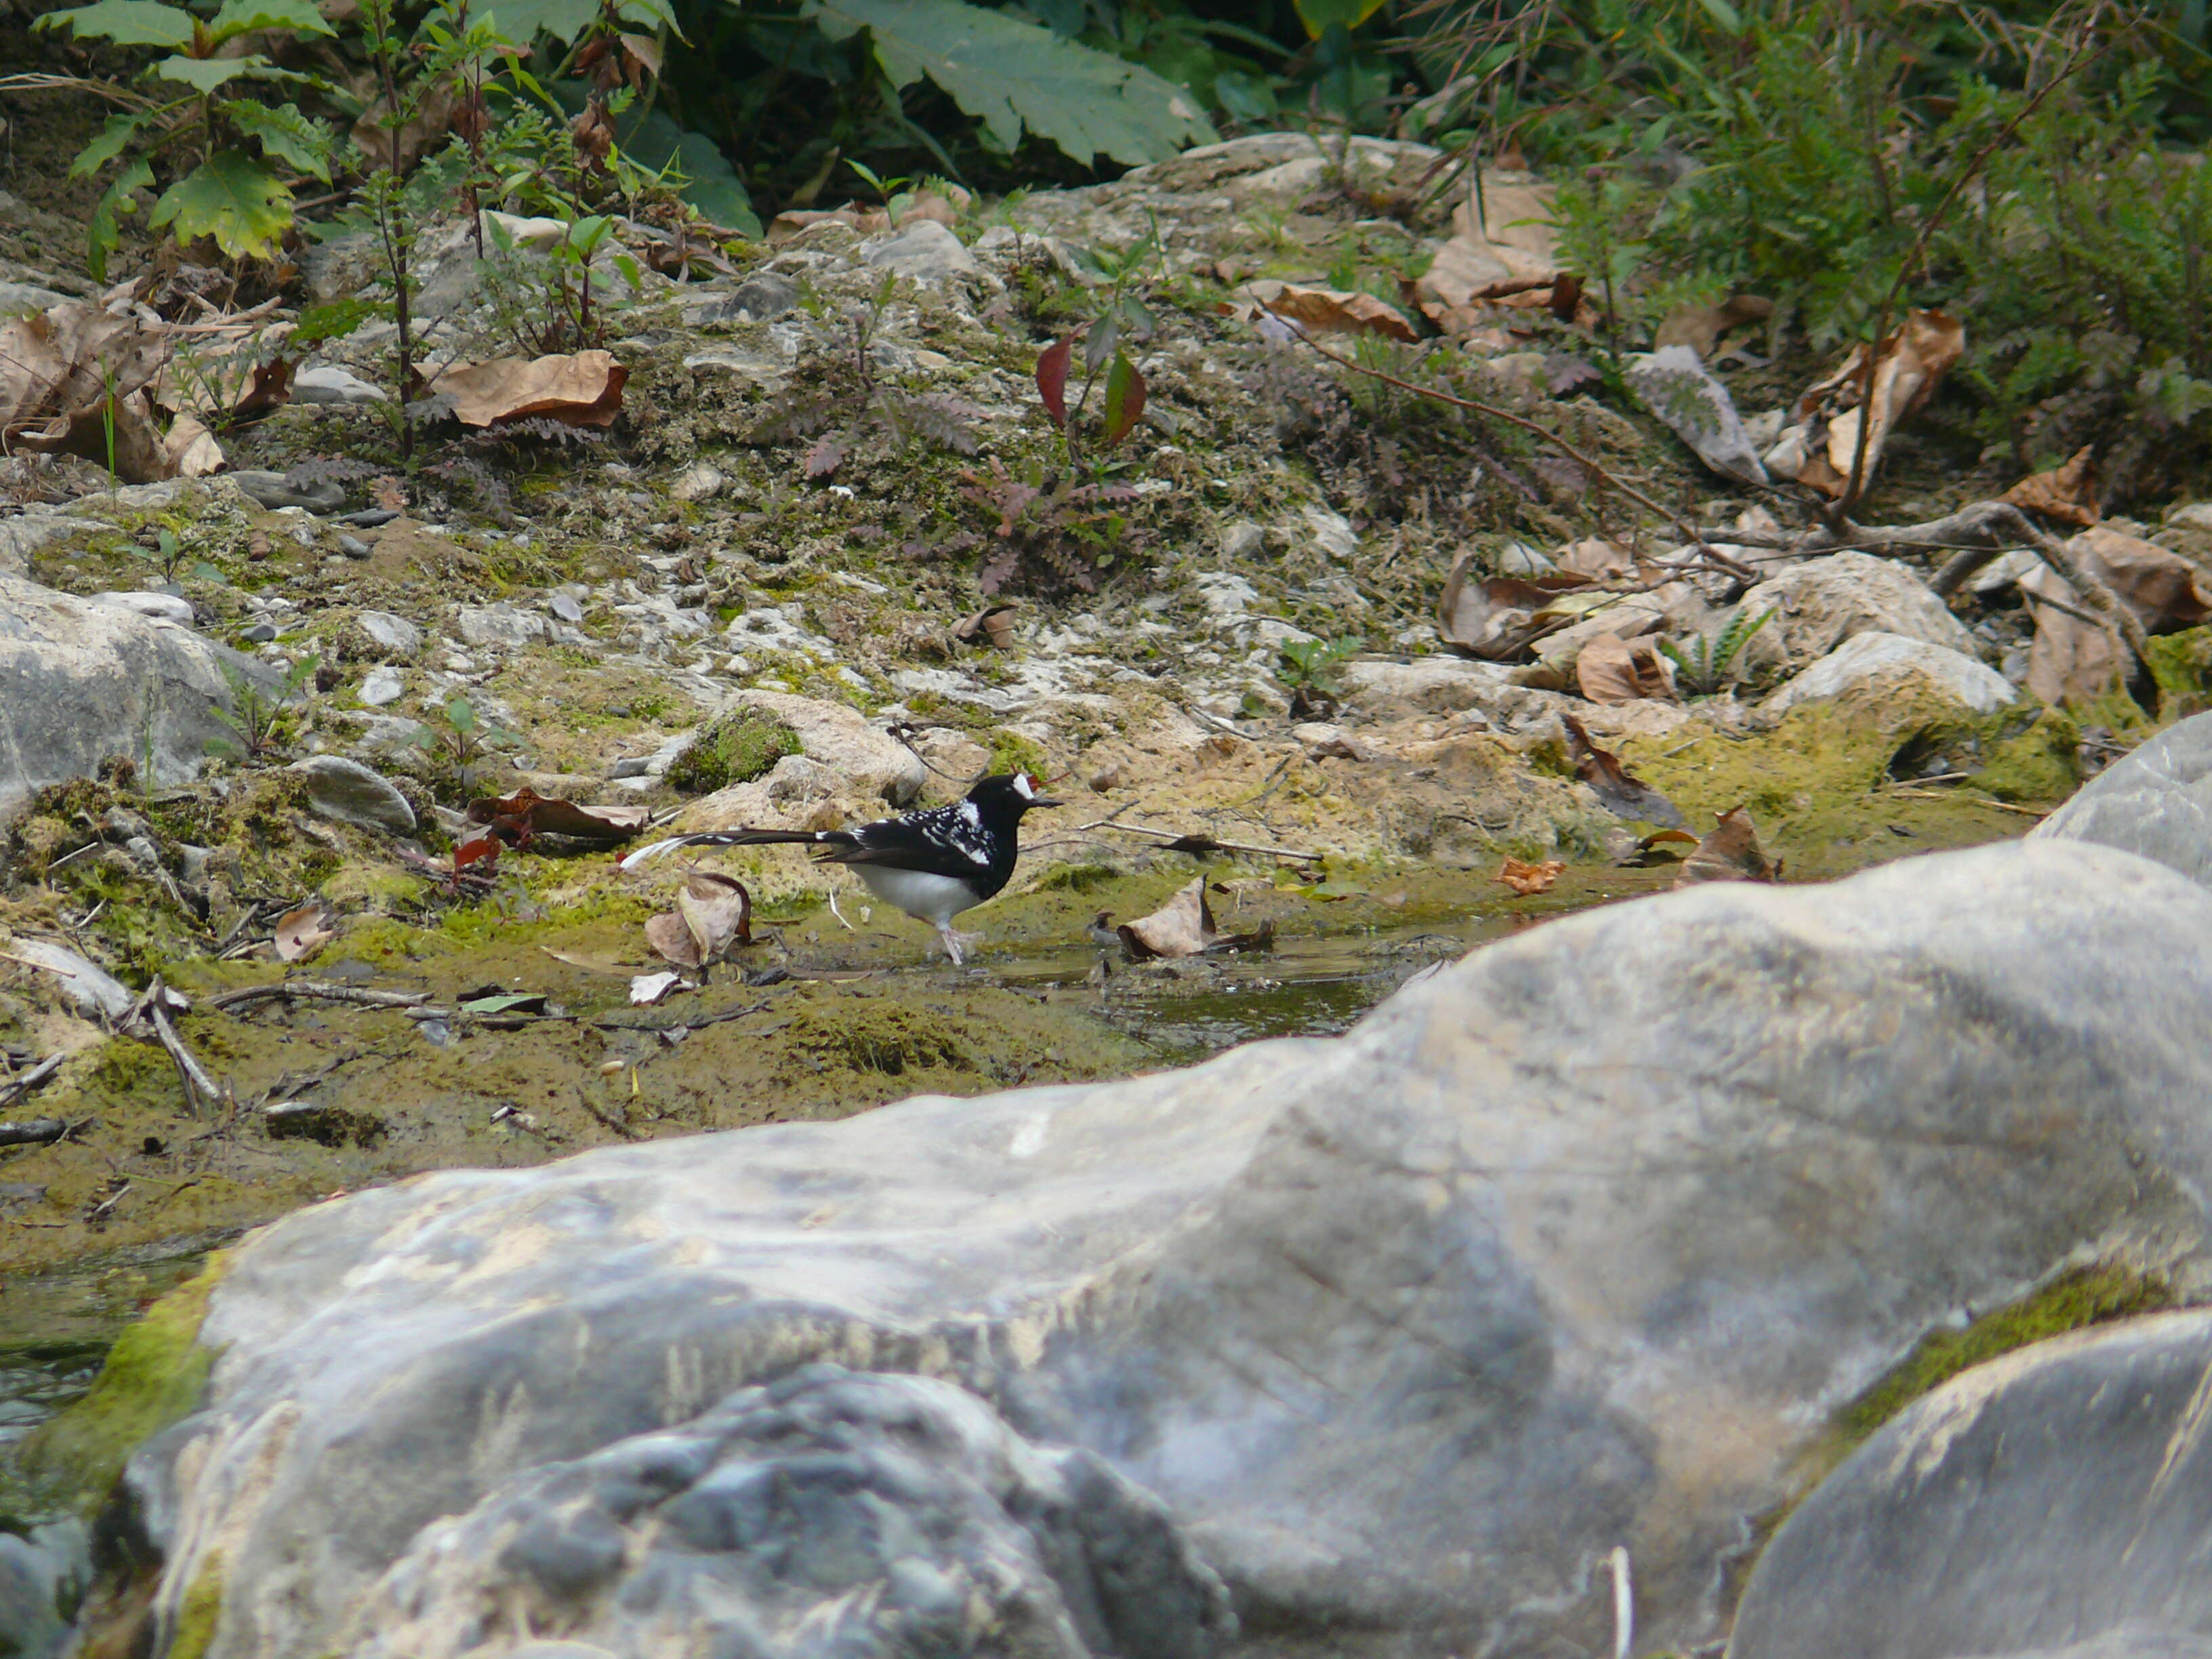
(17,1087)
(319,991)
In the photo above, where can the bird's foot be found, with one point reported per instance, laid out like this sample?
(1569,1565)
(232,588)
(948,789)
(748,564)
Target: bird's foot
(957,944)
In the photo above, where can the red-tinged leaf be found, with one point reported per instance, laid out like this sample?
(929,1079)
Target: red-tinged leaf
(1052,379)
(515,818)
(484,850)
(1526,879)
(826,456)
(1125,399)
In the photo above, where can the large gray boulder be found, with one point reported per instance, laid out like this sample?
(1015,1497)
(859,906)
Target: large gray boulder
(80,681)
(1882,664)
(1821,602)
(2156,802)
(1571,1246)
(2057,1499)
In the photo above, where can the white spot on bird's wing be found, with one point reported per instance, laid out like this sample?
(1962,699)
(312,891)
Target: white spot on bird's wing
(972,813)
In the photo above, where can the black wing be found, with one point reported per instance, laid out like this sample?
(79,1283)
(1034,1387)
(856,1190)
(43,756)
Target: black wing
(943,840)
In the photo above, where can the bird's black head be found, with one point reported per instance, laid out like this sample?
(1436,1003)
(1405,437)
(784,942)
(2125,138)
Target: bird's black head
(1009,792)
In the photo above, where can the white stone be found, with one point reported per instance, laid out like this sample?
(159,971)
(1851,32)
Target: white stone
(327,383)
(1878,660)
(155,607)
(381,687)
(922,249)
(389,633)
(1332,533)
(697,483)
(500,626)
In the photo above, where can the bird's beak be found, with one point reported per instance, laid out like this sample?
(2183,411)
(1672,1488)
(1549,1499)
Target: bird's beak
(1047,801)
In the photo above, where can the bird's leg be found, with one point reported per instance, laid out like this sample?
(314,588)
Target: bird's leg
(954,942)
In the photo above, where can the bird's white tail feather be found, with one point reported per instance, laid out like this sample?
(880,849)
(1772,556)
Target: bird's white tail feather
(654,849)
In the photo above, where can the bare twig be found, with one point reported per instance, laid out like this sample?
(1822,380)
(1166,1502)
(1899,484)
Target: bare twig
(1971,801)
(37,1131)
(198,1085)
(1172,842)
(17,1087)
(319,991)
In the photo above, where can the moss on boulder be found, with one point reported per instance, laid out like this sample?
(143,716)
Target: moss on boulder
(733,748)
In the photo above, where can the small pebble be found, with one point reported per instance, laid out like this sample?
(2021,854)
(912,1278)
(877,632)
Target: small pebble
(259,634)
(353,547)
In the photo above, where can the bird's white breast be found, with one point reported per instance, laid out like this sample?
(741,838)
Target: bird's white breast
(930,898)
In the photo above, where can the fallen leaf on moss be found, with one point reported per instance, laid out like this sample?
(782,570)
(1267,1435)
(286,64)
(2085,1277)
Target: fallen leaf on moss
(713,916)
(1526,879)
(1729,853)
(583,389)
(301,933)
(1622,794)
(518,817)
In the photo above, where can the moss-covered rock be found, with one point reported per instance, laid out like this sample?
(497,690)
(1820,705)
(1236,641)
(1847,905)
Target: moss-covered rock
(733,748)
(2181,664)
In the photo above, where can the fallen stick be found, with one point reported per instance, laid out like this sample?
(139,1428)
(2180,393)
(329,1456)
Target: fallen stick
(1172,842)
(37,1131)
(1971,801)
(319,990)
(17,1087)
(198,1085)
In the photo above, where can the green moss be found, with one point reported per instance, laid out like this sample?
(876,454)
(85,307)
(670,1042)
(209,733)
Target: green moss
(878,1035)
(2072,1302)
(1012,752)
(2038,765)
(201,1612)
(2181,664)
(153,1376)
(735,748)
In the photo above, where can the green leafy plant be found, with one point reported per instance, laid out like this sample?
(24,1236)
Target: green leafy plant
(461,739)
(552,300)
(1308,669)
(1121,314)
(259,718)
(1703,667)
(236,157)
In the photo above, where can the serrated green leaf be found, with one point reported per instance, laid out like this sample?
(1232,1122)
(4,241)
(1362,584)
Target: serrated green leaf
(104,235)
(232,197)
(284,135)
(1318,14)
(1011,74)
(119,131)
(240,17)
(126,22)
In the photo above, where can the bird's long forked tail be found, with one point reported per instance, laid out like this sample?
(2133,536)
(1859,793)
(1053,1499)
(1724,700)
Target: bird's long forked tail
(721,838)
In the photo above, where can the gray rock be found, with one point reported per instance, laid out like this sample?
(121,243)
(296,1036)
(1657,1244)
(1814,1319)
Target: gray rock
(1675,385)
(44,1573)
(353,548)
(155,607)
(27,534)
(393,635)
(501,625)
(1821,602)
(79,682)
(2156,802)
(1877,662)
(762,296)
(86,985)
(381,687)
(270,490)
(565,607)
(697,483)
(922,249)
(351,793)
(19,299)
(1572,1245)
(326,383)
(260,633)
(825,1513)
(2056,1499)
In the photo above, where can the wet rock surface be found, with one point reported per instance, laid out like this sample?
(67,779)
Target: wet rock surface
(1553,1214)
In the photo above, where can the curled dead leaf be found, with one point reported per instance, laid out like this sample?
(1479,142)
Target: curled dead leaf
(1494,617)
(993,624)
(516,818)
(582,389)
(1622,794)
(2066,493)
(670,935)
(1700,327)
(713,916)
(1322,310)
(1612,670)
(1526,879)
(301,933)
(1184,926)
(1730,851)
(1819,446)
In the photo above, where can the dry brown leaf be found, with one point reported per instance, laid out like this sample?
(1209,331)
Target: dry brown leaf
(1322,310)
(1513,253)
(301,933)
(1526,879)
(589,963)
(2075,658)
(1599,561)
(1729,853)
(1494,617)
(718,911)
(584,389)
(1700,327)
(2165,590)
(516,819)
(1623,795)
(993,624)
(74,380)
(1817,449)
(670,935)
(189,450)
(1612,670)
(1183,926)
(2066,493)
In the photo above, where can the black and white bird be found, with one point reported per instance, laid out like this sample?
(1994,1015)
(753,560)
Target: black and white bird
(932,863)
